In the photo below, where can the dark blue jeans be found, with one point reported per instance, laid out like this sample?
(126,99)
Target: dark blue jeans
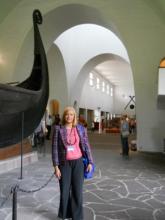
(125,147)
(71,190)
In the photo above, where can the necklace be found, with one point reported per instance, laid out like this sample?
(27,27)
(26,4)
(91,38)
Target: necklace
(71,139)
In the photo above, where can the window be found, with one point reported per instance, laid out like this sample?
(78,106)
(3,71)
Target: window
(98,83)
(91,79)
(107,89)
(111,91)
(103,86)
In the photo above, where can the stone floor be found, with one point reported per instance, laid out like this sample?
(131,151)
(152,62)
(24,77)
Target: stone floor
(122,188)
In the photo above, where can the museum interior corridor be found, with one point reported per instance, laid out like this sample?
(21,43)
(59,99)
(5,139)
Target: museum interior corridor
(106,59)
(122,188)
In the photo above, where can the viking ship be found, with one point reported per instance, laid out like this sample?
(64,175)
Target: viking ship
(22,106)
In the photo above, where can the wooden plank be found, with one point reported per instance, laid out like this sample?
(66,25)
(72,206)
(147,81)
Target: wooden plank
(14,150)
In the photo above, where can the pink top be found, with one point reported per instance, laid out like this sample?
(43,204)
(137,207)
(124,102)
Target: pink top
(73,150)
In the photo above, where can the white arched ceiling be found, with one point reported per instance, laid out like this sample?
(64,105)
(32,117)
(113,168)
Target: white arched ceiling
(119,103)
(20,35)
(88,67)
(81,43)
(119,73)
(140,24)
(56,19)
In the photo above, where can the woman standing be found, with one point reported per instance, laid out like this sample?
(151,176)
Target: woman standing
(70,142)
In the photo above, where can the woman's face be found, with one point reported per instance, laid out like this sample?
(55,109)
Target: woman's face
(69,117)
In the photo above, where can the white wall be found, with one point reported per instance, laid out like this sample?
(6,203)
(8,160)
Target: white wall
(81,43)
(121,99)
(93,98)
(58,88)
(138,24)
(161,81)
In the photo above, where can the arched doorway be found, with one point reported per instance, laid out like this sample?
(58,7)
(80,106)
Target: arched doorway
(54,107)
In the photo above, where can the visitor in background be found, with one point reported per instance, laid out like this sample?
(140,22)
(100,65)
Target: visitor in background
(48,126)
(124,131)
(93,126)
(57,119)
(39,133)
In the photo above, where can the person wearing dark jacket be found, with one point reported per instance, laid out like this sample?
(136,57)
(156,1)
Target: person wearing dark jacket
(124,130)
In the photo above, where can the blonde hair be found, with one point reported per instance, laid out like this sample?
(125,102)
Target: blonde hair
(66,110)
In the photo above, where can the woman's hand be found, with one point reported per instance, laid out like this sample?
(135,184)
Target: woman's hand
(57,172)
(89,168)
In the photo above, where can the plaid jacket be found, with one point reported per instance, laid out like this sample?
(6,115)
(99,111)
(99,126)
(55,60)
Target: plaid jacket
(59,144)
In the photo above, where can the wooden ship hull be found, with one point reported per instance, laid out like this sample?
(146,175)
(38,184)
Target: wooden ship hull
(22,106)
